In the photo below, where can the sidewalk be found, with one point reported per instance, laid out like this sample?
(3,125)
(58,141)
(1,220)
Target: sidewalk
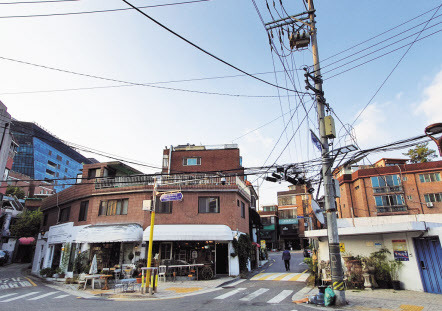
(386,300)
(165,290)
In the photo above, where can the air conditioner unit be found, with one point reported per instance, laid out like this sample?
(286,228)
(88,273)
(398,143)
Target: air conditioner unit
(147,205)
(430,204)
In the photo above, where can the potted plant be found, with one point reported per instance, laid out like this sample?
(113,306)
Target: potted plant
(395,266)
(381,268)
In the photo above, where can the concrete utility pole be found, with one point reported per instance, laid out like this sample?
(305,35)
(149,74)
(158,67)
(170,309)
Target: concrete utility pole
(327,162)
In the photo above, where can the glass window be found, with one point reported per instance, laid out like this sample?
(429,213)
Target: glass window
(287,200)
(374,182)
(191,161)
(433,197)
(45,219)
(82,216)
(432,177)
(378,201)
(103,208)
(59,158)
(163,207)
(125,206)
(64,214)
(243,210)
(208,205)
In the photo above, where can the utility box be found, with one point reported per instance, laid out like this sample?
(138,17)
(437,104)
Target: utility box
(147,205)
(329,127)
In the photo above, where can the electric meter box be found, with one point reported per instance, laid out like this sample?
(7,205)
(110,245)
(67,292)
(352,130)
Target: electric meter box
(329,127)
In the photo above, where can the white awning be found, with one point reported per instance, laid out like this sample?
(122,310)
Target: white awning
(189,233)
(110,233)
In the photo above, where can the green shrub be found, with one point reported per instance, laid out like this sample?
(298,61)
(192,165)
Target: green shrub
(47,272)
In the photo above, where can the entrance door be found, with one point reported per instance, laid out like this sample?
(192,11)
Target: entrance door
(222,258)
(429,256)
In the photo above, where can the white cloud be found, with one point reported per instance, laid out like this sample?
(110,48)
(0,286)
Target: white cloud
(371,129)
(431,105)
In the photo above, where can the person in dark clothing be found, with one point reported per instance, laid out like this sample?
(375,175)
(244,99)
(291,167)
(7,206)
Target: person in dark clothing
(286,257)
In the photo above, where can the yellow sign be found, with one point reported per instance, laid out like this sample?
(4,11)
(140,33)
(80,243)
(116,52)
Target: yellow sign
(263,244)
(342,247)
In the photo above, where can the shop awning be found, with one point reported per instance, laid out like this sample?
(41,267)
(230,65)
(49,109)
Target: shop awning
(26,241)
(110,233)
(189,233)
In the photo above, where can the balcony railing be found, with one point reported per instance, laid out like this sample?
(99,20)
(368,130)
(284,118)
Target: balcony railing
(173,180)
(391,209)
(387,189)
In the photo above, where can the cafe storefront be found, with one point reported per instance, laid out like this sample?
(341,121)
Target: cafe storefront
(204,245)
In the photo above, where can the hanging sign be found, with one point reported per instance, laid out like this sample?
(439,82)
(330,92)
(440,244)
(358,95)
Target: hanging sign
(175,196)
(400,250)
(316,140)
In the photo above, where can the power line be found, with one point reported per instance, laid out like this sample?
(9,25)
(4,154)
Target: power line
(127,82)
(100,11)
(205,51)
(37,2)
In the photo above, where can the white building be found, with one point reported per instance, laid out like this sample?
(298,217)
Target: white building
(413,239)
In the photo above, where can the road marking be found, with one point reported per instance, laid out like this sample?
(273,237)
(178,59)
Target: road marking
(301,293)
(264,277)
(61,296)
(19,297)
(254,294)
(231,293)
(295,278)
(279,278)
(273,277)
(280,297)
(42,296)
(4,296)
(30,281)
(236,283)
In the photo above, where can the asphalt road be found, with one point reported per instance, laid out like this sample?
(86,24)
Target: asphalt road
(243,295)
(276,264)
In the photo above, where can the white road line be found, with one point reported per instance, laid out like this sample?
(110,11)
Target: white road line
(288,277)
(231,293)
(274,276)
(236,282)
(280,297)
(302,293)
(19,297)
(4,296)
(61,296)
(254,294)
(43,296)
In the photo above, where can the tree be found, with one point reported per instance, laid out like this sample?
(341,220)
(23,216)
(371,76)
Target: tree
(27,224)
(421,153)
(17,191)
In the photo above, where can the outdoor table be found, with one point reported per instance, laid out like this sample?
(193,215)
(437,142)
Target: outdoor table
(91,277)
(106,277)
(197,265)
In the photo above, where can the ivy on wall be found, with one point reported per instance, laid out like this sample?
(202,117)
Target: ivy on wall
(242,248)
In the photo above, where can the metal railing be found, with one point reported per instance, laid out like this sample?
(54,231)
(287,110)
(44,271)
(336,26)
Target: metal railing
(391,209)
(387,189)
(122,181)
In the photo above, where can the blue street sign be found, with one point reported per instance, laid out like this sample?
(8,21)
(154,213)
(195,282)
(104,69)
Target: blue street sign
(176,196)
(316,140)
(299,217)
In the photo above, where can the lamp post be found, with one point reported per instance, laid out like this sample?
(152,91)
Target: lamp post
(435,129)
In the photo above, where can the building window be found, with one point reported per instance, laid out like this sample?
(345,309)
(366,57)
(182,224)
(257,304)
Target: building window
(191,161)
(65,170)
(208,205)
(287,200)
(243,210)
(166,251)
(382,181)
(357,187)
(429,177)
(433,197)
(50,152)
(270,208)
(82,216)
(64,214)
(163,207)
(59,158)
(49,172)
(389,200)
(165,161)
(288,213)
(237,203)
(113,207)
(409,197)
(67,162)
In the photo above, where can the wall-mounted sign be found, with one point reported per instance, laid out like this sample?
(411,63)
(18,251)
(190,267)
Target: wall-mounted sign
(400,250)
(288,221)
(175,196)
(342,247)
(378,245)
(263,244)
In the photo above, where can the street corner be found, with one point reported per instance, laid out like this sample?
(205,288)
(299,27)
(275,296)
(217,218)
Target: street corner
(184,290)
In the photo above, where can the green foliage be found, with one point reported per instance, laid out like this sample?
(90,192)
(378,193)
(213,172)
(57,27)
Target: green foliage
(17,191)
(81,263)
(242,247)
(382,266)
(312,267)
(421,153)
(65,258)
(395,266)
(47,272)
(27,224)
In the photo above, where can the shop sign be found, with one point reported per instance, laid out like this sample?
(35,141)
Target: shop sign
(175,196)
(263,244)
(288,221)
(342,247)
(400,250)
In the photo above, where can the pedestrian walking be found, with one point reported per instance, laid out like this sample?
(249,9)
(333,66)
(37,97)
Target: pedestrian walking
(286,257)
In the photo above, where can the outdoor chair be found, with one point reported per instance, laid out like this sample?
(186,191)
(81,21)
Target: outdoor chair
(162,273)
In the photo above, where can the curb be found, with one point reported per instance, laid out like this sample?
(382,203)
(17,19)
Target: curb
(229,282)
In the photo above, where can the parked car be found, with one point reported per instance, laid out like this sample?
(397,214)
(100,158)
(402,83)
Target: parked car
(307,252)
(4,257)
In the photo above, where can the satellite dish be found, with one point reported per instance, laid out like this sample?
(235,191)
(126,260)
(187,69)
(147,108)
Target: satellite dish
(318,212)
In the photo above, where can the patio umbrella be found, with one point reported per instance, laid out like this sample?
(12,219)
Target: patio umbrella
(93,269)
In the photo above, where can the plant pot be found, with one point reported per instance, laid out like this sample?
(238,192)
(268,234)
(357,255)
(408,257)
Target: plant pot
(383,284)
(139,280)
(396,285)
(347,258)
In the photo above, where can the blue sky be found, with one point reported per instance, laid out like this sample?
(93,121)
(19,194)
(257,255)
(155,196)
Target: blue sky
(137,122)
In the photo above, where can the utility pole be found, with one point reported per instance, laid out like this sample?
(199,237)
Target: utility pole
(152,223)
(327,162)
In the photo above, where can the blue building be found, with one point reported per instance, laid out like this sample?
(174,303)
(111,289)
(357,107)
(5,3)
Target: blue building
(43,156)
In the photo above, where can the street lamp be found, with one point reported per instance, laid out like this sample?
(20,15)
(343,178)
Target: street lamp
(435,129)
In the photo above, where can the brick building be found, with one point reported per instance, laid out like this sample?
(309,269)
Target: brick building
(108,213)
(390,187)
(269,221)
(294,211)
